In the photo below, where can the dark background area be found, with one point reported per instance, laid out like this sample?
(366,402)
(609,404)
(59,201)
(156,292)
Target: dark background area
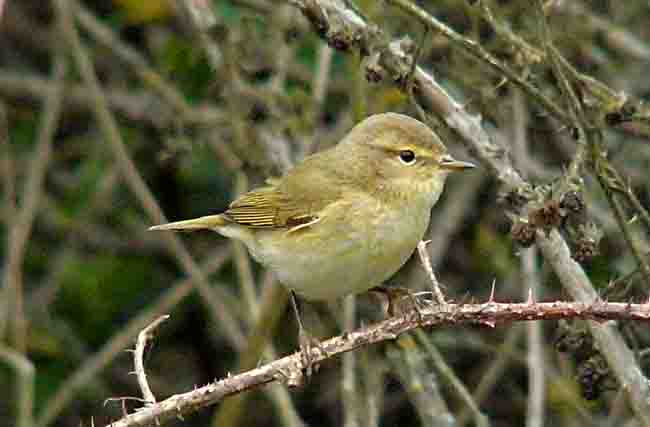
(206,114)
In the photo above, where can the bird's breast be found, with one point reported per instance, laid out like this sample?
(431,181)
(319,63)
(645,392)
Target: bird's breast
(356,245)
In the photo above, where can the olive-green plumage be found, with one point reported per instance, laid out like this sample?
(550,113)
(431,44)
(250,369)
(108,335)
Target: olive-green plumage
(345,219)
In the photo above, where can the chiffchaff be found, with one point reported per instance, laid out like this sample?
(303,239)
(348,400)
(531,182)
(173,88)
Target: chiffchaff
(347,218)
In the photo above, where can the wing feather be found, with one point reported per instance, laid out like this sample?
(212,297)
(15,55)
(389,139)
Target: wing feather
(269,208)
(292,201)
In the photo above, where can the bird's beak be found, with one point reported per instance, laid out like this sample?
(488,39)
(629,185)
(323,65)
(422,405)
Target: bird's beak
(449,163)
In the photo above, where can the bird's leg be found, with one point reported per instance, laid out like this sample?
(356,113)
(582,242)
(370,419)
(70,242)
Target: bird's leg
(306,341)
(393,295)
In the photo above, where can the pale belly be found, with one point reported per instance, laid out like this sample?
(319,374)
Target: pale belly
(350,258)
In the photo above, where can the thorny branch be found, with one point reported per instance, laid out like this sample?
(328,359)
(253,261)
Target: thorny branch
(289,369)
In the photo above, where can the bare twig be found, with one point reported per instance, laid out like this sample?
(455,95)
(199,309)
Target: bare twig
(21,226)
(349,396)
(625,227)
(200,13)
(478,52)
(290,367)
(448,374)
(322,76)
(494,369)
(612,181)
(449,219)
(536,366)
(201,17)
(616,36)
(270,313)
(610,100)
(24,385)
(138,358)
(321,82)
(575,110)
(281,19)
(373,374)
(410,361)
(426,263)
(9,207)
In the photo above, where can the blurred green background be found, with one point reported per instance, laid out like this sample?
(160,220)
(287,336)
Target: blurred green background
(206,114)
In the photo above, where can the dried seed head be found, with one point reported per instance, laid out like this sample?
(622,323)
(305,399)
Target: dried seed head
(587,243)
(573,202)
(574,340)
(622,115)
(585,250)
(523,233)
(549,215)
(514,200)
(340,41)
(373,70)
(593,375)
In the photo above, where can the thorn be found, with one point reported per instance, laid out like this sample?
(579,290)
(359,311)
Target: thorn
(179,414)
(530,300)
(491,300)
(426,242)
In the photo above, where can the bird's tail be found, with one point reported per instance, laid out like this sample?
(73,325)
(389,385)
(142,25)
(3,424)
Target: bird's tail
(209,222)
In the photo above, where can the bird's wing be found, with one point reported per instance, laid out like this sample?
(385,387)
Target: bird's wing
(292,202)
(270,207)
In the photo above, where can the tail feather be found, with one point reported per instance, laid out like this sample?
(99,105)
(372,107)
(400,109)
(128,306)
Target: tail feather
(203,223)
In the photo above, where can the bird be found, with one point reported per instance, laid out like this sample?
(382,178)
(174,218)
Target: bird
(345,219)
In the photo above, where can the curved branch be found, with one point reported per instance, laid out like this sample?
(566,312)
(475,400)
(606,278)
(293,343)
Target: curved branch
(289,369)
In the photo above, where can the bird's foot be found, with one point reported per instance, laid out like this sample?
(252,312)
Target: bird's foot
(397,301)
(308,348)
(306,341)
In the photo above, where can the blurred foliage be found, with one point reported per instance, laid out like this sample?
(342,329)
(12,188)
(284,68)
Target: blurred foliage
(90,266)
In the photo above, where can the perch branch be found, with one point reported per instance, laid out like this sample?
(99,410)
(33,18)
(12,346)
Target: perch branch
(290,368)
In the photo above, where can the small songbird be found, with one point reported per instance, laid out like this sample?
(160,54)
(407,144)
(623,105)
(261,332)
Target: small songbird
(345,219)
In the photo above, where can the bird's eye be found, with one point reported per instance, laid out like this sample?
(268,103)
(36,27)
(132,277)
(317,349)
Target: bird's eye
(407,157)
